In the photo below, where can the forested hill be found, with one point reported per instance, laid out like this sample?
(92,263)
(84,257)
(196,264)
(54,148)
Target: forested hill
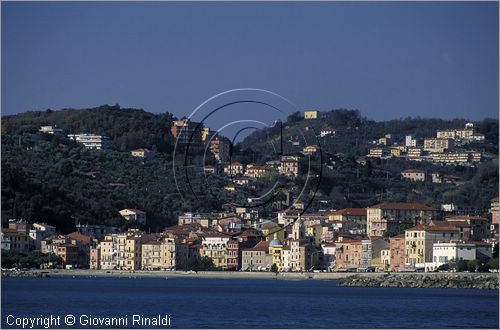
(355,133)
(49,178)
(127,128)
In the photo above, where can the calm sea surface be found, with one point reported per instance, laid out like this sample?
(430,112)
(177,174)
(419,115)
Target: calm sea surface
(215,303)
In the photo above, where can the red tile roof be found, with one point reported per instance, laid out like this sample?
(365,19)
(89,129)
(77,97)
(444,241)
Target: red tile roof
(351,211)
(261,246)
(403,206)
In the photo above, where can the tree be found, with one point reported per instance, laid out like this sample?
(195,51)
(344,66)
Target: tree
(66,167)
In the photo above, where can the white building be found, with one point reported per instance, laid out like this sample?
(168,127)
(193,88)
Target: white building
(40,231)
(329,251)
(50,130)
(91,141)
(443,253)
(410,141)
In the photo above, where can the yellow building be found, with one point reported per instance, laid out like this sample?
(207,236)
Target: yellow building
(309,150)
(128,249)
(311,114)
(438,145)
(395,152)
(276,249)
(214,246)
(163,253)
(419,241)
(383,141)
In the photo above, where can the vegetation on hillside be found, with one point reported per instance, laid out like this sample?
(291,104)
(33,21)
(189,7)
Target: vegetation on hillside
(53,179)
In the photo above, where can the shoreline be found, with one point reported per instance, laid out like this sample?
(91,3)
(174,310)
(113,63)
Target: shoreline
(396,280)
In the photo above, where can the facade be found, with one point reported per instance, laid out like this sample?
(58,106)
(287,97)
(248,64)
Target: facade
(450,157)
(202,219)
(413,175)
(446,252)
(382,217)
(289,166)
(17,241)
(128,247)
(410,141)
(134,215)
(258,171)
(376,153)
(397,252)
(187,132)
(91,141)
(257,258)
(311,114)
(474,228)
(419,242)
(348,254)
(438,145)
(95,258)
(38,232)
(220,147)
(310,150)
(215,246)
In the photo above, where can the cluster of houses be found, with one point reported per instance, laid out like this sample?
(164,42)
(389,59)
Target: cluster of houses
(448,147)
(382,237)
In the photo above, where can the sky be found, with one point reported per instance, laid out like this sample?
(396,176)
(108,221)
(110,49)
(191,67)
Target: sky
(386,59)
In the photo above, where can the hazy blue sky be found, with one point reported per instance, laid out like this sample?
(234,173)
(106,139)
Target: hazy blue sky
(386,59)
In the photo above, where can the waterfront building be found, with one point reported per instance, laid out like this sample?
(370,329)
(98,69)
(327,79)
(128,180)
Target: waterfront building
(410,141)
(220,148)
(376,153)
(215,246)
(494,211)
(234,168)
(450,157)
(419,241)
(257,258)
(18,241)
(50,130)
(39,231)
(275,248)
(397,252)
